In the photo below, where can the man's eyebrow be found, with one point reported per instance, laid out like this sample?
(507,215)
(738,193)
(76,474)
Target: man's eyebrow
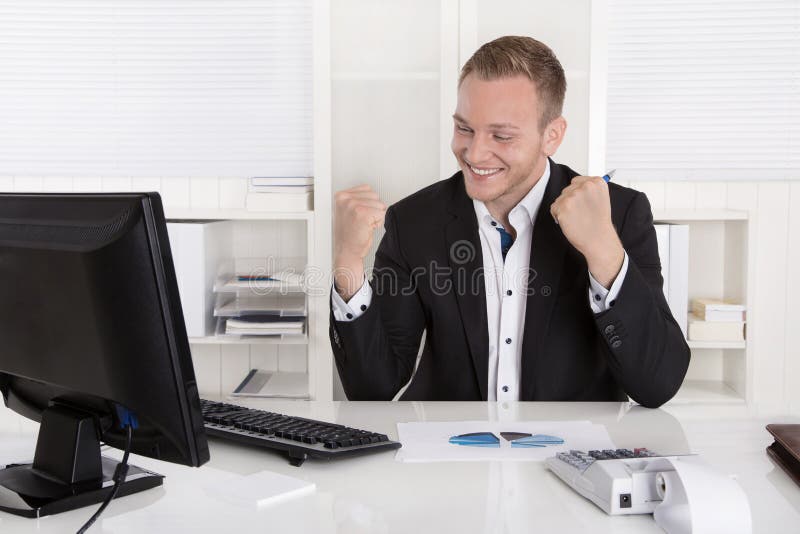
(506,125)
(496,125)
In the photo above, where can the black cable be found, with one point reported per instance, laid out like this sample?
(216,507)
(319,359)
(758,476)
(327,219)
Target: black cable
(119,477)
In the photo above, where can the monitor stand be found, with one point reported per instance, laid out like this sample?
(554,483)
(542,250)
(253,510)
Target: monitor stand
(68,471)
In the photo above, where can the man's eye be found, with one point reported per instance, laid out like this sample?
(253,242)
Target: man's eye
(463,129)
(502,138)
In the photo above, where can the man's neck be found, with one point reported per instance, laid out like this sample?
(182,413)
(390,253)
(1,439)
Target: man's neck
(500,207)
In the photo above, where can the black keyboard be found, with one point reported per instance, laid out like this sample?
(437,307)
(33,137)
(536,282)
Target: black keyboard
(298,437)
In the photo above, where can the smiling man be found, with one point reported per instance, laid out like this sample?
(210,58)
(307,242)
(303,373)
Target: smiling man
(529,281)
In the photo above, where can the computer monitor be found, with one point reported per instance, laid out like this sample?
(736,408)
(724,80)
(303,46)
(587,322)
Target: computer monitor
(92,340)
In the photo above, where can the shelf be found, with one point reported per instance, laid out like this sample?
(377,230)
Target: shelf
(249,340)
(681,215)
(706,391)
(234,214)
(717,344)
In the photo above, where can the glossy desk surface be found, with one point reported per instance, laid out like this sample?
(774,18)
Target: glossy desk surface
(375,494)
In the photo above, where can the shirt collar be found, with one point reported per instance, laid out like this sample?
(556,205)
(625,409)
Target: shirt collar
(530,202)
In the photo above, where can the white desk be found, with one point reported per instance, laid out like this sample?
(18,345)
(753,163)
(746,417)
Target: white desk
(375,494)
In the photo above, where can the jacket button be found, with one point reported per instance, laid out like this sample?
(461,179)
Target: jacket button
(616,344)
(609,329)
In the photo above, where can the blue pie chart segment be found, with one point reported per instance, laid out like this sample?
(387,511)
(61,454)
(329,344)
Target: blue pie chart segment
(476,439)
(537,440)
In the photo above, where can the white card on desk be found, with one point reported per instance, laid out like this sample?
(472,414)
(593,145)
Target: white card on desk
(261,489)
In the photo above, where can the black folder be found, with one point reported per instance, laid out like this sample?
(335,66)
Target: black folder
(785,451)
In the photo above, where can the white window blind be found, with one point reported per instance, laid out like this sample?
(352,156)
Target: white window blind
(701,89)
(156,88)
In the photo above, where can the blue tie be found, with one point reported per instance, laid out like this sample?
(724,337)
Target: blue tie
(505,241)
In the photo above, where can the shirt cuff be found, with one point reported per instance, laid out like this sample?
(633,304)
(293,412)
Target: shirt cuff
(600,298)
(353,308)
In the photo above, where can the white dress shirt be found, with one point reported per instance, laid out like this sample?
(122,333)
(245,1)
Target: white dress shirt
(506,282)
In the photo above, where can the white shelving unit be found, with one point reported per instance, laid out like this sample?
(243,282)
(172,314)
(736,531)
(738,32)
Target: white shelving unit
(720,266)
(219,360)
(237,355)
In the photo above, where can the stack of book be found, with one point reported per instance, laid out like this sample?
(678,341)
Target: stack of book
(262,315)
(716,320)
(292,193)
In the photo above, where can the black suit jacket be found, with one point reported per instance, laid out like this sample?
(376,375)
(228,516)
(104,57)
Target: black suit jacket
(428,277)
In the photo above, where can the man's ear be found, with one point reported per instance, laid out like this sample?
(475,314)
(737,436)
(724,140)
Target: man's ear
(553,135)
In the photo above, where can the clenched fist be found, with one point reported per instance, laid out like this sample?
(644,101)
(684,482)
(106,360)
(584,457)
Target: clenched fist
(357,213)
(583,211)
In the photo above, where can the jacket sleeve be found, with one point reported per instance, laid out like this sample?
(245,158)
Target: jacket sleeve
(647,352)
(376,352)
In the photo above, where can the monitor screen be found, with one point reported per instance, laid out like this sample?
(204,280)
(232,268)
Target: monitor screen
(90,318)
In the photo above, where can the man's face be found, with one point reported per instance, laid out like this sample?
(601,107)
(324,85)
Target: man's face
(496,138)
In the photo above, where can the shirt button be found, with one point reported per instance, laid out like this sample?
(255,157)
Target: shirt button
(611,304)
(505,389)
(349,316)
(597,297)
(494,223)
(364,307)
(508,292)
(508,341)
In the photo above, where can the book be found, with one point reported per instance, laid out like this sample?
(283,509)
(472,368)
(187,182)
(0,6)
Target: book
(673,252)
(281,180)
(679,273)
(700,330)
(716,310)
(198,247)
(280,201)
(250,326)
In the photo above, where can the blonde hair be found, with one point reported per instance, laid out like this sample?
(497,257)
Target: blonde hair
(515,55)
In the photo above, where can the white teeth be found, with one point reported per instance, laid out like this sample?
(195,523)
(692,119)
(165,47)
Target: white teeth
(483,172)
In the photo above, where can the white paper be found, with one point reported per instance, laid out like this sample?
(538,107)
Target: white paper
(429,442)
(700,500)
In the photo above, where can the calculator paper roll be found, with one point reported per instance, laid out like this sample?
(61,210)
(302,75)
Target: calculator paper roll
(699,500)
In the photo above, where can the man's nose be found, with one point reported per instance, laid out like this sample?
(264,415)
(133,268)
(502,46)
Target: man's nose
(478,150)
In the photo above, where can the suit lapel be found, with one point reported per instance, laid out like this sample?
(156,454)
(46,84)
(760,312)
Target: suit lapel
(465,258)
(548,249)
